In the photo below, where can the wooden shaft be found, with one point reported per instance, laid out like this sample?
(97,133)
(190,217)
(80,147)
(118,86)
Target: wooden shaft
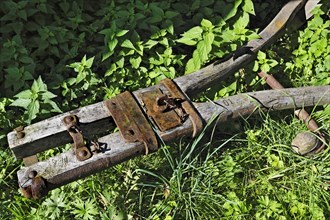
(65,167)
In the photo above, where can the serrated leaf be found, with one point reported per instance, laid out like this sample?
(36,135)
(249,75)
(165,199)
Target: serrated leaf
(13,71)
(81,76)
(38,86)
(22,14)
(26,94)
(171,14)
(89,62)
(248,7)
(192,65)
(261,55)
(33,109)
(187,41)
(202,51)
(55,107)
(128,44)
(83,61)
(135,62)
(26,59)
(206,23)
(47,95)
(193,33)
(107,55)
(231,10)
(242,22)
(24,103)
(121,33)
(208,39)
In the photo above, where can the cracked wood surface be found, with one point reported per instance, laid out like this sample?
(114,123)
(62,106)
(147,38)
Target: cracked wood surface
(65,168)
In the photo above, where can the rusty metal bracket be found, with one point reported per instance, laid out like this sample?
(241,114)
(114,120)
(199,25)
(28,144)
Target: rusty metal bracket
(81,150)
(37,187)
(131,121)
(169,109)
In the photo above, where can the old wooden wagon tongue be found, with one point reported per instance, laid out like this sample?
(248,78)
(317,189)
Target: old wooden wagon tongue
(161,113)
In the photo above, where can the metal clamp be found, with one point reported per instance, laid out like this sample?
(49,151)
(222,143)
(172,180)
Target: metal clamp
(170,109)
(131,121)
(82,152)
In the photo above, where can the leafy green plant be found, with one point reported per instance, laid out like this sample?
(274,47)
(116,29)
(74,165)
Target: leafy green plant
(263,63)
(35,101)
(311,65)
(220,38)
(86,51)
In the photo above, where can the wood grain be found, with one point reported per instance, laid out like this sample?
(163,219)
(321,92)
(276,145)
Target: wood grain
(65,168)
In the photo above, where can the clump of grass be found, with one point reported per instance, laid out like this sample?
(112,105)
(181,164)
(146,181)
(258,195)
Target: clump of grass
(258,176)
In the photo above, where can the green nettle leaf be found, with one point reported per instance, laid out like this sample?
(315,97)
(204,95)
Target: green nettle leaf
(38,86)
(207,24)
(23,103)
(112,44)
(81,76)
(89,62)
(248,7)
(53,105)
(171,14)
(122,33)
(26,94)
(47,95)
(193,33)
(203,49)
(230,10)
(135,62)
(128,44)
(261,55)
(242,22)
(33,109)
(13,71)
(187,41)
(193,64)
(22,14)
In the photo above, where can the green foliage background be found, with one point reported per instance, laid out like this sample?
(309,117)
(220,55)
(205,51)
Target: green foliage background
(60,55)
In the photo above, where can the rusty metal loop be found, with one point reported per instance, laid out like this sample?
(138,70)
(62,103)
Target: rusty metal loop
(72,125)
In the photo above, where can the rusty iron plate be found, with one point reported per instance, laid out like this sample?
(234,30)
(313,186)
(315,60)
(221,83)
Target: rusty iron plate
(131,121)
(169,109)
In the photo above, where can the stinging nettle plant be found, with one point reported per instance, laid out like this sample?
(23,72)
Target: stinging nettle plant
(36,100)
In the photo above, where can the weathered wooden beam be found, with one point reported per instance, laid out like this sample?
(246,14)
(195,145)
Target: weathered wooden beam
(50,133)
(95,119)
(65,168)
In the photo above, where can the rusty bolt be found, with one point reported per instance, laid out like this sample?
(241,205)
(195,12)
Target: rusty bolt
(82,153)
(70,119)
(33,174)
(20,132)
